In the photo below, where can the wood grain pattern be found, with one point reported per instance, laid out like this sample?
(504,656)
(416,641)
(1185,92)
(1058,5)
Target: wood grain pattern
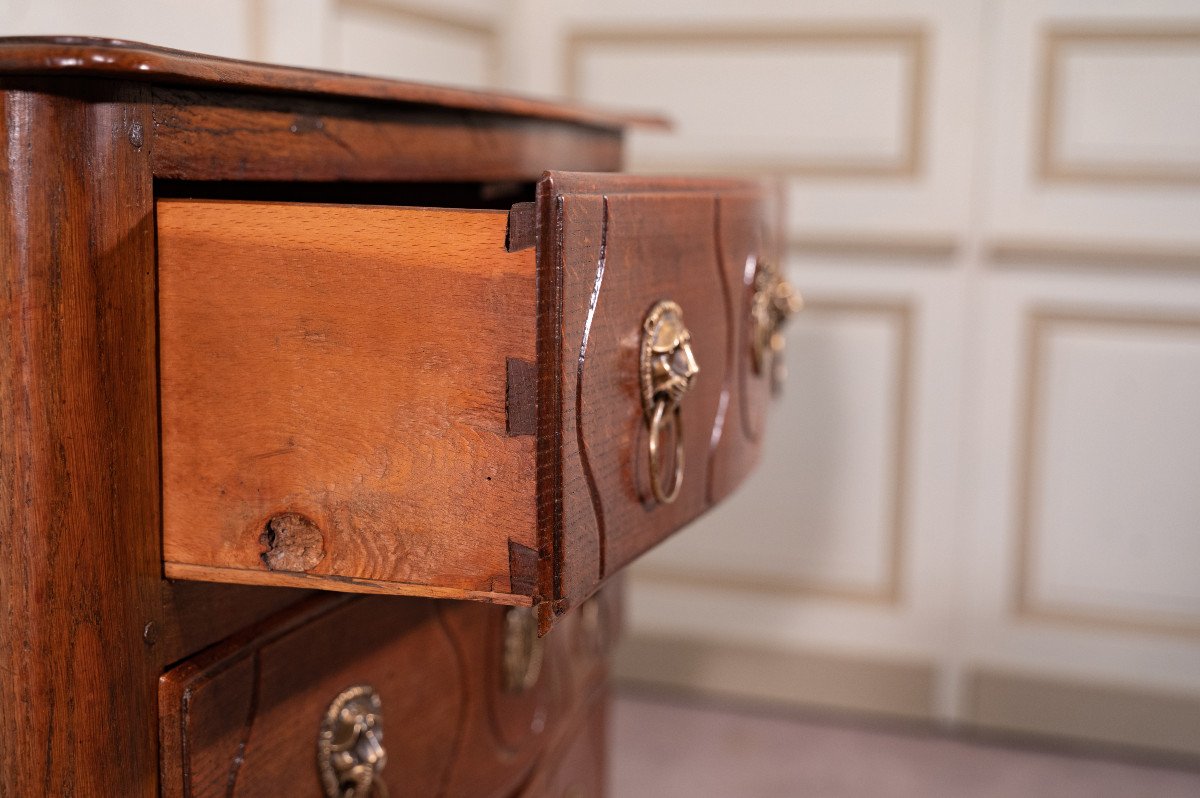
(349,584)
(212,135)
(299,340)
(520,397)
(198,614)
(241,720)
(347,364)
(79,555)
(578,766)
(304,340)
(612,247)
(75,56)
(507,735)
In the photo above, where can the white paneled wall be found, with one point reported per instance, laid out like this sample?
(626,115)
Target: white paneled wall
(981,488)
(1084,485)
(444,41)
(375,36)
(839,526)
(849,107)
(1093,128)
(220,27)
(980,500)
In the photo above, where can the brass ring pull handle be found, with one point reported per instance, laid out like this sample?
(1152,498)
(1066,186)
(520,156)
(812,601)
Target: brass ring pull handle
(775,301)
(668,368)
(656,420)
(350,745)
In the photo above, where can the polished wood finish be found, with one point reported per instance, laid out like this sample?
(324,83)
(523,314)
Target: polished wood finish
(88,624)
(241,720)
(346,364)
(366,380)
(198,614)
(247,719)
(210,135)
(74,56)
(612,246)
(79,557)
(745,229)
(94,133)
(577,768)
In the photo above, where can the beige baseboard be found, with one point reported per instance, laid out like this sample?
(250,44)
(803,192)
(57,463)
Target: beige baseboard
(1108,714)
(817,679)
(1016,706)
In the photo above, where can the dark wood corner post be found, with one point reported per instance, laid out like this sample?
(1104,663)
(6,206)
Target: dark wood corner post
(79,472)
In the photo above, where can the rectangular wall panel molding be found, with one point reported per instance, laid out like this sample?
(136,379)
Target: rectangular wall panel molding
(1121,104)
(415,42)
(853,106)
(1108,507)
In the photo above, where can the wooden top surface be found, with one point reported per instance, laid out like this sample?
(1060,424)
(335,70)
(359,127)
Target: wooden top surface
(96,57)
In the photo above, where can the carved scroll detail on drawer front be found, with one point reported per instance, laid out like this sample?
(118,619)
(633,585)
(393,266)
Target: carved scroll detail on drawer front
(744,244)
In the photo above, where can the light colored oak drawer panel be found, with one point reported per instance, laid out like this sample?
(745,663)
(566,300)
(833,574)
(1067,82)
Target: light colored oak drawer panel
(332,388)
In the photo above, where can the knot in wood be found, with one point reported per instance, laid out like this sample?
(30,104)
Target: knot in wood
(292,543)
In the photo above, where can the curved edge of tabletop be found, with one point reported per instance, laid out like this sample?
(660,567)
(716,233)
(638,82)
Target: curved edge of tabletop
(98,57)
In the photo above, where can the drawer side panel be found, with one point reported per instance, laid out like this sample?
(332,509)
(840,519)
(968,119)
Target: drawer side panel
(333,397)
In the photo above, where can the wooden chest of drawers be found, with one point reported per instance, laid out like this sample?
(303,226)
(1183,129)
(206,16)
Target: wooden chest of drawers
(273,336)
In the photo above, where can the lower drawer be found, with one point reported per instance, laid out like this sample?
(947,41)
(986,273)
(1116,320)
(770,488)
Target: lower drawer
(453,698)
(577,766)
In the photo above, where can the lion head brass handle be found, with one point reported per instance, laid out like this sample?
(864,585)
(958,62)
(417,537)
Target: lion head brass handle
(523,649)
(775,300)
(350,745)
(668,368)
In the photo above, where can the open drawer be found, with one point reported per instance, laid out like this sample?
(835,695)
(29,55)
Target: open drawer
(457,403)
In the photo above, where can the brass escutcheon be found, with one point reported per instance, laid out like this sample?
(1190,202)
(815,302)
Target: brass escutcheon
(350,745)
(668,367)
(775,301)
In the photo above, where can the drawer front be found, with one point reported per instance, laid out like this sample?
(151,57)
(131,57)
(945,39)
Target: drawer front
(577,766)
(621,245)
(244,719)
(453,403)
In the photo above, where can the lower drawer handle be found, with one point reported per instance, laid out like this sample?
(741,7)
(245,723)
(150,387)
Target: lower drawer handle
(350,745)
(668,368)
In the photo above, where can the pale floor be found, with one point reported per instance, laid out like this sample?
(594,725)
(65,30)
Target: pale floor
(666,747)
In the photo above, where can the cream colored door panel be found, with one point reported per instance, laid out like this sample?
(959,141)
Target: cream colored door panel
(1082,525)
(1092,117)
